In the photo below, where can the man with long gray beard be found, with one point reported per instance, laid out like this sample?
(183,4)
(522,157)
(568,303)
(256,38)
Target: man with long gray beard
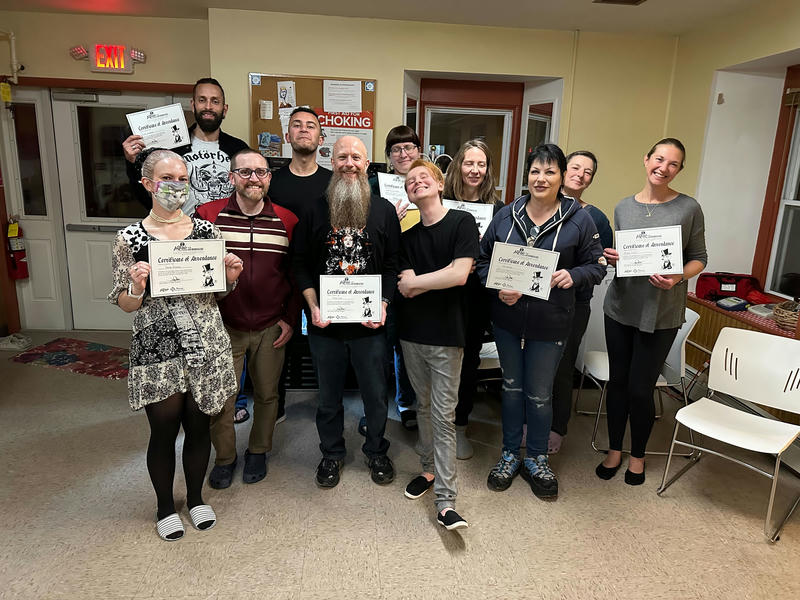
(348,232)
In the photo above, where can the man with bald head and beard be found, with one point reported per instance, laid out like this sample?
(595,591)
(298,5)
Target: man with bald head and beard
(349,231)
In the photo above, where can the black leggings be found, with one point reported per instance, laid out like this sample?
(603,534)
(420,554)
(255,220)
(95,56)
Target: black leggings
(635,361)
(166,418)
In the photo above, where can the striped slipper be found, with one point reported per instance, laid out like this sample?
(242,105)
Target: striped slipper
(203,517)
(169,526)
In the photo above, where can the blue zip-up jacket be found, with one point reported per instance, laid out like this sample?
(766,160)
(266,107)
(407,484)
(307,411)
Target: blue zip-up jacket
(575,238)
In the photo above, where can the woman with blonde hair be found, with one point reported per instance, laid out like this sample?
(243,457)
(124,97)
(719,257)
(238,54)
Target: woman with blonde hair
(470,179)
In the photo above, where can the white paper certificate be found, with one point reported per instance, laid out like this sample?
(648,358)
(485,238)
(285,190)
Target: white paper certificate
(162,127)
(186,267)
(350,298)
(643,252)
(483,213)
(393,188)
(522,269)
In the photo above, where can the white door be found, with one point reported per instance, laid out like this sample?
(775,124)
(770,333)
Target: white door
(447,128)
(32,193)
(97,200)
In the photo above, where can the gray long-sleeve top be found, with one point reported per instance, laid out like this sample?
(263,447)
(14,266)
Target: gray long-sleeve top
(634,301)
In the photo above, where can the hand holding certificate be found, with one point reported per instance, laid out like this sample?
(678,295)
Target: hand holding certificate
(350,298)
(522,269)
(179,267)
(645,252)
(162,127)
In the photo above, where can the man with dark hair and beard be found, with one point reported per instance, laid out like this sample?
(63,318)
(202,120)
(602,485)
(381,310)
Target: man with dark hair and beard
(207,157)
(348,232)
(296,187)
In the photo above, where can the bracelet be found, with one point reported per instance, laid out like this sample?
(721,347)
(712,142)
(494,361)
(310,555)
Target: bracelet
(131,294)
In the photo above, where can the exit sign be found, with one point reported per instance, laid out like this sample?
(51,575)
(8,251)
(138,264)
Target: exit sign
(110,58)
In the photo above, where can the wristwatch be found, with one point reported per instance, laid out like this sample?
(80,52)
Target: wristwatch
(131,294)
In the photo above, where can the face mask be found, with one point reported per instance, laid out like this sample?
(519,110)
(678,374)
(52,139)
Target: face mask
(171,195)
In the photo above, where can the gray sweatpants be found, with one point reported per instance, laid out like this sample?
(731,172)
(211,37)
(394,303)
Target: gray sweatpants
(435,372)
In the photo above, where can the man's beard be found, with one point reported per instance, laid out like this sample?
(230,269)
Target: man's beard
(348,201)
(208,125)
(304,150)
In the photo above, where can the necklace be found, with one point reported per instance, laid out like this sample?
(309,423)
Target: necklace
(163,220)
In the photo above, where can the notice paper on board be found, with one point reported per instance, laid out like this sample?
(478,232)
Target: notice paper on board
(341,96)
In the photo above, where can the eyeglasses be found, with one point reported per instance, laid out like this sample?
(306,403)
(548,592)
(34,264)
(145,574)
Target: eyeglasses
(398,150)
(245,173)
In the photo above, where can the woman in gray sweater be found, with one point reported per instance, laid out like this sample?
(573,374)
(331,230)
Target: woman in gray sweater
(643,314)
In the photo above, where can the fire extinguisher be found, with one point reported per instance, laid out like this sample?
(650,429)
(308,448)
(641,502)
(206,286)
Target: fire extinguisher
(17,259)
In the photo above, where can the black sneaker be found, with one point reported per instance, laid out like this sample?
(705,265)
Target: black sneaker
(381,469)
(255,467)
(537,472)
(281,416)
(409,419)
(221,476)
(503,473)
(362,426)
(328,472)
(417,487)
(451,520)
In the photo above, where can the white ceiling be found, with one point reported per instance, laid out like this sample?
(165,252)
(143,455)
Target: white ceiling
(653,16)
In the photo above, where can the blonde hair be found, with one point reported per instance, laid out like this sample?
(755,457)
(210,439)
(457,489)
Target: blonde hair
(155,157)
(454,183)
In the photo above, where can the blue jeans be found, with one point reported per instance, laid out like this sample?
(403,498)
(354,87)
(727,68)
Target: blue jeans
(528,374)
(241,399)
(331,356)
(405,398)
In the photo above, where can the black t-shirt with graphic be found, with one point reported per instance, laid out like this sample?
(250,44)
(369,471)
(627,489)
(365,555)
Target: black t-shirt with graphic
(437,317)
(298,193)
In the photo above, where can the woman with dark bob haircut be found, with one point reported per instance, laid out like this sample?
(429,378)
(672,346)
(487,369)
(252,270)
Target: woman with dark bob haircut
(470,179)
(643,314)
(530,332)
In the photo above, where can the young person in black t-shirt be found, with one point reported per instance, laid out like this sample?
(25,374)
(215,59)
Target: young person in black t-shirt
(297,187)
(437,255)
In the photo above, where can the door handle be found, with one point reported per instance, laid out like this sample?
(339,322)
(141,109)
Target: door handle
(93,228)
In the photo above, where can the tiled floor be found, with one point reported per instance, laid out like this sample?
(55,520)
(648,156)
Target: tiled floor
(77,516)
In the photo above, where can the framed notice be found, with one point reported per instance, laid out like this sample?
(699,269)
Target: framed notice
(522,269)
(179,267)
(350,298)
(645,252)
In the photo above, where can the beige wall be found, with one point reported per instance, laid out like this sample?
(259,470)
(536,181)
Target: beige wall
(177,49)
(767,29)
(621,82)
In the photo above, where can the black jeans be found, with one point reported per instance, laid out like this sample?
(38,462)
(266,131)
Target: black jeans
(635,361)
(331,356)
(562,384)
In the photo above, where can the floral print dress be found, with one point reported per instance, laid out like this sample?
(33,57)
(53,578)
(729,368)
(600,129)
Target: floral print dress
(179,343)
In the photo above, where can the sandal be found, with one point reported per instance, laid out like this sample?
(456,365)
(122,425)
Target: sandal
(203,517)
(169,526)
(241,416)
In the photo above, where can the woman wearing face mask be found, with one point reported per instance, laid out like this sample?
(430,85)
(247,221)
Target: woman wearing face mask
(643,314)
(470,179)
(530,332)
(181,369)
(581,169)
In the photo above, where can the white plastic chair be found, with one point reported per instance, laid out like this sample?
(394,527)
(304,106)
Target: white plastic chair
(760,368)
(673,374)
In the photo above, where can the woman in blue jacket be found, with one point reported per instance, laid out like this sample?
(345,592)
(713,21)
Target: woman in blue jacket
(530,332)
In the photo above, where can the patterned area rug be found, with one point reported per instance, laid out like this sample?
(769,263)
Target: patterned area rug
(79,356)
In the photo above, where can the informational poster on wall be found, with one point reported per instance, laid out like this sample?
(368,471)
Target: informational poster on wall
(336,125)
(345,107)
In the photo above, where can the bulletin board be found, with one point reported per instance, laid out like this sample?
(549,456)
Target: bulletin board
(345,107)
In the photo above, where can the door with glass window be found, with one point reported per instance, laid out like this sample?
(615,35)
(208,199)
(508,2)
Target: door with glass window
(97,198)
(32,194)
(446,129)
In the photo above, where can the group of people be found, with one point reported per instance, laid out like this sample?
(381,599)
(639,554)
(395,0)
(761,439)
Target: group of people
(284,230)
